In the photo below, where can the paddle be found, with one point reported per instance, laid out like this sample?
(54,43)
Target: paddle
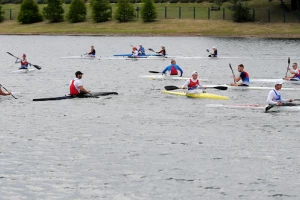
(232,72)
(287,67)
(7,91)
(36,66)
(154,72)
(151,50)
(172,87)
(269,107)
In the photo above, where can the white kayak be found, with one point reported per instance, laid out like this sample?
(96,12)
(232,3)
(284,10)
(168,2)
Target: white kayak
(274,80)
(23,71)
(283,108)
(80,57)
(153,77)
(275,108)
(252,88)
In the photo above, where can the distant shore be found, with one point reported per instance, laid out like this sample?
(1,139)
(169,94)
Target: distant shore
(166,27)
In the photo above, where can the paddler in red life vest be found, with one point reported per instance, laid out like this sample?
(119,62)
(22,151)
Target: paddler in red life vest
(23,61)
(162,51)
(244,76)
(173,69)
(296,73)
(76,87)
(193,84)
(135,52)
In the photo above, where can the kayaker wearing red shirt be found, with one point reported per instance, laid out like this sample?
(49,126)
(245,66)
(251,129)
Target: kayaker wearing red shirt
(76,86)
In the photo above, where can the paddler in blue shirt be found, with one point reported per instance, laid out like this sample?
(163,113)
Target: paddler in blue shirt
(173,69)
(141,50)
(244,76)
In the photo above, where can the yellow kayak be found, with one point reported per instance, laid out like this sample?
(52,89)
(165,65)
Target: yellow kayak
(197,95)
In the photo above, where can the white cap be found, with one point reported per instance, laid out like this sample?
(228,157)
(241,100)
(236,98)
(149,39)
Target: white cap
(279,82)
(140,44)
(194,72)
(214,47)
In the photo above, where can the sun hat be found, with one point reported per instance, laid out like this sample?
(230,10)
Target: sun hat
(279,82)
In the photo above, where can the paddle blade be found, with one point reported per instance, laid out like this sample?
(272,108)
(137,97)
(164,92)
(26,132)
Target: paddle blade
(171,87)
(10,54)
(38,67)
(207,50)
(289,61)
(151,50)
(221,87)
(269,107)
(154,72)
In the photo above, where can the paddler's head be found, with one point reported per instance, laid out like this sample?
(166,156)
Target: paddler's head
(78,74)
(24,55)
(163,47)
(240,67)
(92,47)
(278,84)
(173,62)
(214,48)
(195,75)
(134,48)
(295,66)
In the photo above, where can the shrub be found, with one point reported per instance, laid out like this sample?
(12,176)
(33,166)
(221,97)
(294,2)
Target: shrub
(1,14)
(29,12)
(101,10)
(77,11)
(148,11)
(54,11)
(125,11)
(241,13)
(67,1)
(40,1)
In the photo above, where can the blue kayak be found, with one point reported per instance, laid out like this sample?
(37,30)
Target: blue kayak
(129,54)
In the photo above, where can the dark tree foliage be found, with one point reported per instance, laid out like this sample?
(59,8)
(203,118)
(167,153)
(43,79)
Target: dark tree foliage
(101,10)
(29,12)
(125,11)
(148,11)
(77,11)
(1,14)
(54,11)
(241,13)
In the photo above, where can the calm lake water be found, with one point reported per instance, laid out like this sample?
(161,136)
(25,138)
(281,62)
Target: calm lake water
(143,144)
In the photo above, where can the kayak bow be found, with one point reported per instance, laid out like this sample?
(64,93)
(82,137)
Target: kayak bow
(94,94)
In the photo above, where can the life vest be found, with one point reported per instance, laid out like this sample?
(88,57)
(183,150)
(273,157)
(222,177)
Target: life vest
(246,79)
(298,74)
(173,70)
(73,90)
(24,62)
(193,85)
(163,52)
(278,96)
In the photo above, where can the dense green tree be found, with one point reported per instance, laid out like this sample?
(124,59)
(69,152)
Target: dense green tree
(1,14)
(101,10)
(241,12)
(77,11)
(125,11)
(29,12)
(148,11)
(54,11)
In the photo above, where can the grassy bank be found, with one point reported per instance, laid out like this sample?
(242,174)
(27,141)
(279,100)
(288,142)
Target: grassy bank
(171,25)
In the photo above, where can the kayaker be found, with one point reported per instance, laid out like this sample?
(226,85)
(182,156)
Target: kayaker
(4,93)
(193,84)
(92,52)
(244,76)
(215,52)
(76,87)
(162,51)
(296,73)
(24,62)
(173,69)
(135,52)
(141,50)
(274,96)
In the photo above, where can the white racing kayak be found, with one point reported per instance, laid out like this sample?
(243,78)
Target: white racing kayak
(274,80)
(154,77)
(23,71)
(252,88)
(80,57)
(295,108)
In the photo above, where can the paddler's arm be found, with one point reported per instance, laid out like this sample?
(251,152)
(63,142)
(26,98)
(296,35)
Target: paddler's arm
(237,79)
(165,70)
(185,85)
(200,86)
(82,89)
(18,60)
(180,70)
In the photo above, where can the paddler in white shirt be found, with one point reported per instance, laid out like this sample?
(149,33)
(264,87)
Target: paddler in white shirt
(135,52)
(193,84)
(296,73)
(24,62)
(274,96)
(76,87)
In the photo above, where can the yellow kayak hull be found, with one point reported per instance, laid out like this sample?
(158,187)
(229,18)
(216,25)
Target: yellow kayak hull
(197,95)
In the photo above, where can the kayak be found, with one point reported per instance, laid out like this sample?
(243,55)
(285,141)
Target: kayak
(153,77)
(130,54)
(95,94)
(23,71)
(274,80)
(197,95)
(252,88)
(258,107)
(80,57)
(283,108)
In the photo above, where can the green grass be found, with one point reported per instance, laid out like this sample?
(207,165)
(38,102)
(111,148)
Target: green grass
(168,22)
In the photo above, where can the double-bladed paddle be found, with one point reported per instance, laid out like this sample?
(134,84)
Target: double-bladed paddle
(36,66)
(8,91)
(287,69)
(172,87)
(232,72)
(154,72)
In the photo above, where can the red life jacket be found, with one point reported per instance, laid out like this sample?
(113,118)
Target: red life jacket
(173,71)
(73,90)
(24,62)
(193,84)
